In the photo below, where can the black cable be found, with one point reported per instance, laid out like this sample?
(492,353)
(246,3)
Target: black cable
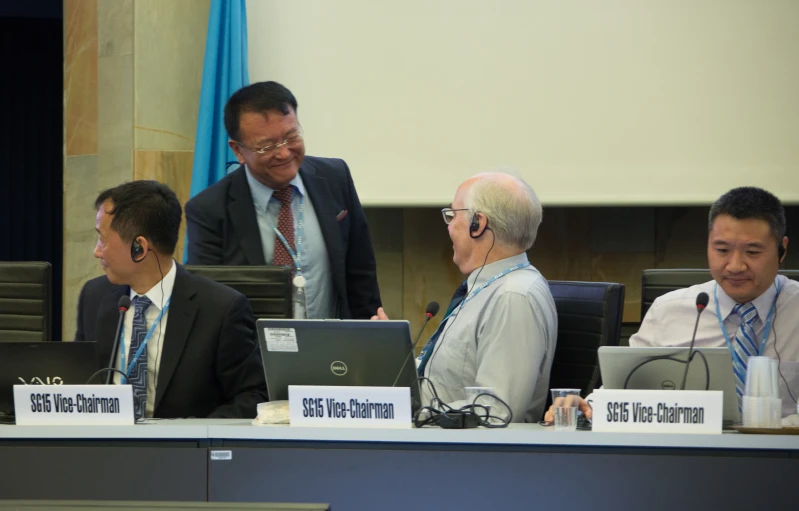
(779,359)
(439,410)
(160,348)
(105,370)
(674,359)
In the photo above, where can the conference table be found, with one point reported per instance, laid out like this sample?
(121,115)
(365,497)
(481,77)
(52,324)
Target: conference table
(524,466)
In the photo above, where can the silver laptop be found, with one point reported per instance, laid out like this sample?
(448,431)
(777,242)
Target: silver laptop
(336,352)
(617,362)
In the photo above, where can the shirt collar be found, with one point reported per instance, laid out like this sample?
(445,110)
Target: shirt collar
(478,277)
(154,294)
(762,303)
(262,194)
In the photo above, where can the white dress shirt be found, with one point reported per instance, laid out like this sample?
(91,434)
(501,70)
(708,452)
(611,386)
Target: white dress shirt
(159,299)
(670,322)
(504,337)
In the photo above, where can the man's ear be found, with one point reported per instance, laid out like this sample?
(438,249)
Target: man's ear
(236,150)
(783,249)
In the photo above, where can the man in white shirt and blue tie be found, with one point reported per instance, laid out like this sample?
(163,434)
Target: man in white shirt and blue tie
(753,310)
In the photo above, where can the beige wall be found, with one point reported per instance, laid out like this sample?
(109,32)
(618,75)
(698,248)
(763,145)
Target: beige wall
(132,74)
(132,78)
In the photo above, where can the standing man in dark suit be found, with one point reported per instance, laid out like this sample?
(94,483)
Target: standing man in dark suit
(188,344)
(284,208)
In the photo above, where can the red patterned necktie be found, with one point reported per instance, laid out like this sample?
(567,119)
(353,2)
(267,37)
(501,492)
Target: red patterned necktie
(285,224)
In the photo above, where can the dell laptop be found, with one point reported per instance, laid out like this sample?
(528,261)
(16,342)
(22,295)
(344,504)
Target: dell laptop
(336,352)
(616,364)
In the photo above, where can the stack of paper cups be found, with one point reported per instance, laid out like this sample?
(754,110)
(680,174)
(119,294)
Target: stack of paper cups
(762,407)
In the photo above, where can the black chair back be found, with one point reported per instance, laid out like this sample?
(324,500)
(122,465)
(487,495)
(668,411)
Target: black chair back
(589,316)
(655,283)
(26,301)
(268,288)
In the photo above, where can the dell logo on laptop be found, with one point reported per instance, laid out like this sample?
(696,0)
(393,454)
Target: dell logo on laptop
(338,368)
(668,385)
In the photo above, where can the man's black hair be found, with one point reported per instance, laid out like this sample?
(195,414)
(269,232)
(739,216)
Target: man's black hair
(144,208)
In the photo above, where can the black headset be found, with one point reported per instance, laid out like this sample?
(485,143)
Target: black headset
(136,250)
(474,226)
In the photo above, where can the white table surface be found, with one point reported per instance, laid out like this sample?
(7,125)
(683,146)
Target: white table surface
(515,434)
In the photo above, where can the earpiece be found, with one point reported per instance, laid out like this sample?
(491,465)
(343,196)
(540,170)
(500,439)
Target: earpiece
(474,227)
(136,250)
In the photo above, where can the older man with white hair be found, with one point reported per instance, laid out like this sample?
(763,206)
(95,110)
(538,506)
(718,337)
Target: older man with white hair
(503,333)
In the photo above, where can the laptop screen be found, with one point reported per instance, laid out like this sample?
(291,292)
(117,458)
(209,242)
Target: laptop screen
(43,363)
(336,352)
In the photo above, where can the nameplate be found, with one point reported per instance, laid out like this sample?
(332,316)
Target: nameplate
(78,405)
(657,411)
(369,407)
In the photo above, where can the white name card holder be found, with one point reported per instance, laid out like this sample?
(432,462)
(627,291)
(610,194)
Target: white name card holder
(78,405)
(657,411)
(367,407)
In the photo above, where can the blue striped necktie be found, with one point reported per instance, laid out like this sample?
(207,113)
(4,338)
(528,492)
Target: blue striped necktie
(138,375)
(745,345)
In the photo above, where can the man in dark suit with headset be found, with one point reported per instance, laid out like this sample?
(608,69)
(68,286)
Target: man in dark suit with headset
(284,208)
(188,345)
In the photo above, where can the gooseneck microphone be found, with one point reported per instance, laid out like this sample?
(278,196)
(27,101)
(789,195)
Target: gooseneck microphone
(429,313)
(701,303)
(123,305)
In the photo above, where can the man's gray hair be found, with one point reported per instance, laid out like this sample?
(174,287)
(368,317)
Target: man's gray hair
(510,205)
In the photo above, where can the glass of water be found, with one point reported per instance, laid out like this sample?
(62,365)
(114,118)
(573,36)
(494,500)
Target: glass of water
(564,405)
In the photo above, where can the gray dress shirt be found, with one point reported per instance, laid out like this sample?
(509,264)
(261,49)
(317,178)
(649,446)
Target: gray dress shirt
(504,337)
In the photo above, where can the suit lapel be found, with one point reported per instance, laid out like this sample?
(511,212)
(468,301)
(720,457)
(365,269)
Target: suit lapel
(180,319)
(106,326)
(243,216)
(325,207)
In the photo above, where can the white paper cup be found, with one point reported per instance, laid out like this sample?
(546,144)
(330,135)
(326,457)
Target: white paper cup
(759,381)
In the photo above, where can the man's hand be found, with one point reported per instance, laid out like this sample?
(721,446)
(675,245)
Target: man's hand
(582,404)
(381,314)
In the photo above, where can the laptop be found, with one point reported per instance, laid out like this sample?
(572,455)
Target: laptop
(336,352)
(616,363)
(43,363)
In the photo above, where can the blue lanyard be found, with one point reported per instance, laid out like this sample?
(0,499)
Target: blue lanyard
(766,328)
(295,256)
(471,295)
(139,351)
(490,281)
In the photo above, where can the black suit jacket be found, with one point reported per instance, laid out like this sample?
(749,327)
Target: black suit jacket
(210,363)
(223,230)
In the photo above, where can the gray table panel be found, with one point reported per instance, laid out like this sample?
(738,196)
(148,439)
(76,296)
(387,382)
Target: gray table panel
(97,472)
(367,479)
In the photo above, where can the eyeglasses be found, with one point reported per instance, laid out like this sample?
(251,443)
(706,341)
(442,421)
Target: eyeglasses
(449,214)
(291,141)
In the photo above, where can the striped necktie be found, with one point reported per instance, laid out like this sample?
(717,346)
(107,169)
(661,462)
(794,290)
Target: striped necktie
(138,375)
(745,346)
